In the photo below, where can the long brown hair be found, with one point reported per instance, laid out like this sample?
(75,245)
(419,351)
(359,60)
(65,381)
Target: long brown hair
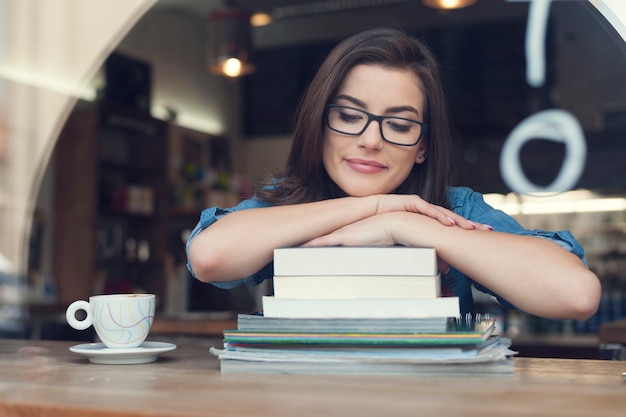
(305,179)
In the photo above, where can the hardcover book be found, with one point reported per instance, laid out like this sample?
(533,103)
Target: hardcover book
(357,286)
(349,260)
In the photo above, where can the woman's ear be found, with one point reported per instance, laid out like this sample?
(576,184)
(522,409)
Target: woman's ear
(421,155)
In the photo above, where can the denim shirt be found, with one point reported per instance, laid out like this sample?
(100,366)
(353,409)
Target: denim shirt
(463,201)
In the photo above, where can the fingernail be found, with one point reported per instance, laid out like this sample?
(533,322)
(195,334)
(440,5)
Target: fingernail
(453,222)
(488,227)
(473,224)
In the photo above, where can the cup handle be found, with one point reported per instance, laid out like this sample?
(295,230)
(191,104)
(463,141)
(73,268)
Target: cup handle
(70,315)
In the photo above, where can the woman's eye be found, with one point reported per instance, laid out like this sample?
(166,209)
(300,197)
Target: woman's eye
(398,126)
(346,117)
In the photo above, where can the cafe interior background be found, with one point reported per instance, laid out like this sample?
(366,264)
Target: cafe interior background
(117,128)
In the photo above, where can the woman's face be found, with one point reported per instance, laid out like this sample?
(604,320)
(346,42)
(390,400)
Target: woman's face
(366,164)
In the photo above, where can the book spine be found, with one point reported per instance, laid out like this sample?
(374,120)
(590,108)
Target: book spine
(363,308)
(353,286)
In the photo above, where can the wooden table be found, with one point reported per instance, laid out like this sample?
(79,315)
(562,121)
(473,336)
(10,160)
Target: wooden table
(45,378)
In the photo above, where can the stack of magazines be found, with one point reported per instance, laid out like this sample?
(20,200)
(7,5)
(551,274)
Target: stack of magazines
(435,346)
(365,311)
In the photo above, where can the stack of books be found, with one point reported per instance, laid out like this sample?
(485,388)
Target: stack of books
(339,281)
(374,310)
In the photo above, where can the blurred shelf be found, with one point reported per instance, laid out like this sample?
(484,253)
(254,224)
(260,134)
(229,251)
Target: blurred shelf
(192,324)
(613,332)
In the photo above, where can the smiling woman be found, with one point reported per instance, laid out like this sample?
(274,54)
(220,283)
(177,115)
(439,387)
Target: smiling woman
(40,69)
(353,179)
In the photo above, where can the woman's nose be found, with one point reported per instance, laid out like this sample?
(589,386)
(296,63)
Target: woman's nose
(371,137)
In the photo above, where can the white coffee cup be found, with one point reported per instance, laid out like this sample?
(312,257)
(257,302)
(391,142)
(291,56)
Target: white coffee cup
(120,320)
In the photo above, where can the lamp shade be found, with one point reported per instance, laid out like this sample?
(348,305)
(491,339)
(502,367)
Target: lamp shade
(231,41)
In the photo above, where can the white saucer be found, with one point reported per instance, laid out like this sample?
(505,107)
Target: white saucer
(99,353)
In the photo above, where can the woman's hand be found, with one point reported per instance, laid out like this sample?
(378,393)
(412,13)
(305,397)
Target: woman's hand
(378,230)
(415,204)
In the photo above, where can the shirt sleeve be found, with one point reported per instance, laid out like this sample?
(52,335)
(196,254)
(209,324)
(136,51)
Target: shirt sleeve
(212,215)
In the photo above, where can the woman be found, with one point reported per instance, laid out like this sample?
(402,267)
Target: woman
(370,166)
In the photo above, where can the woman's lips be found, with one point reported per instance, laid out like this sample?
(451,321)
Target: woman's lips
(365,166)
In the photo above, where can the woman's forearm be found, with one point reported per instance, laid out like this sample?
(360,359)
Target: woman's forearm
(242,242)
(535,274)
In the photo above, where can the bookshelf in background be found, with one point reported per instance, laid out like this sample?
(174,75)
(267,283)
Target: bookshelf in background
(131,158)
(128,188)
(199,172)
(110,202)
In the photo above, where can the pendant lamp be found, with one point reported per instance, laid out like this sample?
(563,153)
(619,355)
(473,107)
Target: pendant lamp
(448,4)
(231,42)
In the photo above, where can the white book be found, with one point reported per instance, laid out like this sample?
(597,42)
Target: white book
(350,260)
(357,286)
(361,308)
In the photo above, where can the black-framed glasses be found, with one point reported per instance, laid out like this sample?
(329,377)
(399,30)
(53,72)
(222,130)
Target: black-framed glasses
(397,130)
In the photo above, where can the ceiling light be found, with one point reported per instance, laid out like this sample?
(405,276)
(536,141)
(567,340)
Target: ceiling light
(448,4)
(260,19)
(231,43)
